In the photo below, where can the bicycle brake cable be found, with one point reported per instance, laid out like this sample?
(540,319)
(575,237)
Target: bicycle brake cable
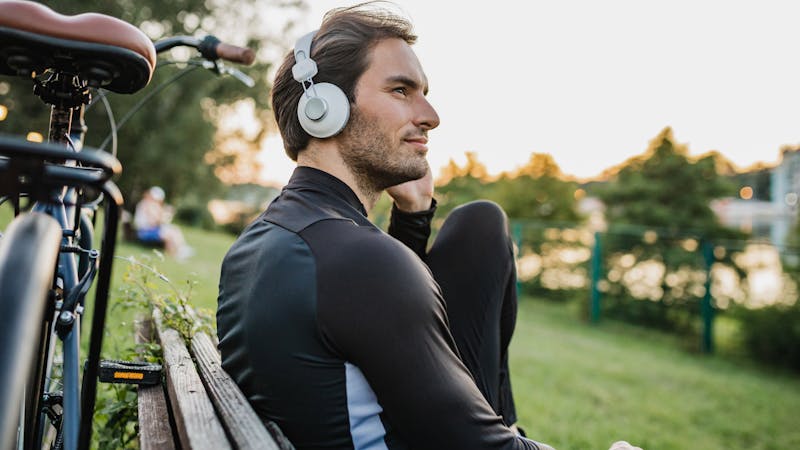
(112,122)
(144,99)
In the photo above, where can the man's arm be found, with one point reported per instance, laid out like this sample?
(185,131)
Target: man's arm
(412,228)
(412,213)
(394,329)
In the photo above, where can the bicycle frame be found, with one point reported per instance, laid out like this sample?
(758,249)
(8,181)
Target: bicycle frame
(61,205)
(64,209)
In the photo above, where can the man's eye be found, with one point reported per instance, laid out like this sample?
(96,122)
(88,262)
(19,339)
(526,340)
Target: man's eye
(400,90)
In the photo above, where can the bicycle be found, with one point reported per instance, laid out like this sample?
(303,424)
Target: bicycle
(47,260)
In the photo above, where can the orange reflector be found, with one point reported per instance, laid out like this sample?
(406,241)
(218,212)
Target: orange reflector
(129,375)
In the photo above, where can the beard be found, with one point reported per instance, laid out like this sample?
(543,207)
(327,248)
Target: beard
(376,162)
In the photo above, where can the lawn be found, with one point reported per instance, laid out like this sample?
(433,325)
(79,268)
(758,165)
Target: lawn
(583,387)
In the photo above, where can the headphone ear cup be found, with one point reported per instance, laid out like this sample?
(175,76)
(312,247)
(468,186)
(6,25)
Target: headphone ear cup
(325,114)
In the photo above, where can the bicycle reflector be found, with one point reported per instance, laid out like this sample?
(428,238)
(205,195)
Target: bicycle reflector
(129,372)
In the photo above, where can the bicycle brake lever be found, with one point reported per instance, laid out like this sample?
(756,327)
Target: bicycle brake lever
(221,69)
(241,76)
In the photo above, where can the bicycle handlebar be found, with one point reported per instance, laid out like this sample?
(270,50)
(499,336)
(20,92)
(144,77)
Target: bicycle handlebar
(210,47)
(236,54)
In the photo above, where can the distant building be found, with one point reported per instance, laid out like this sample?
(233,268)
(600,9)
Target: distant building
(756,217)
(784,191)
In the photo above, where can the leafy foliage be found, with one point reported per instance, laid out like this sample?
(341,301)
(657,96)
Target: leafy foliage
(664,189)
(176,140)
(536,191)
(144,289)
(659,218)
(772,334)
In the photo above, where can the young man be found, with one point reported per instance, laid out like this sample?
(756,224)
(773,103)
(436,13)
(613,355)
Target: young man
(337,331)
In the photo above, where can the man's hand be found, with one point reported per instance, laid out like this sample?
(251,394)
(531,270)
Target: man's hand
(622,445)
(415,195)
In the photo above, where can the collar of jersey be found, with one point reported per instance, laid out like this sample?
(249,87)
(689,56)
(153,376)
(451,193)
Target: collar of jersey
(309,177)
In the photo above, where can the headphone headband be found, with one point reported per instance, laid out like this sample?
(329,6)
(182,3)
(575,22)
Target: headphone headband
(305,67)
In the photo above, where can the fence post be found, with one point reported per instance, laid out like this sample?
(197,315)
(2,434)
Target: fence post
(706,308)
(594,307)
(516,231)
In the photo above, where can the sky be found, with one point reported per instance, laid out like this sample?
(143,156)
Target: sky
(592,82)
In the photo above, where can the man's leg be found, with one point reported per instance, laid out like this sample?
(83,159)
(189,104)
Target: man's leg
(472,260)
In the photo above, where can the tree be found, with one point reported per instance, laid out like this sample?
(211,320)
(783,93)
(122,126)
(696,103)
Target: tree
(658,209)
(460,184)
(537,191)
(664,189)
(174,140)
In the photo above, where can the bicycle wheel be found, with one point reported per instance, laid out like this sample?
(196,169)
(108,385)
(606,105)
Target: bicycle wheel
(28,255)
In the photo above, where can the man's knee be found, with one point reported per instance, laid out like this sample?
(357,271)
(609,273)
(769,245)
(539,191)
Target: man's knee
(484,217)
(479,227)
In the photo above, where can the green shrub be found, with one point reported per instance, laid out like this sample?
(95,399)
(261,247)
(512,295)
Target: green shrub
(772,334)
(195,215)
(144,288)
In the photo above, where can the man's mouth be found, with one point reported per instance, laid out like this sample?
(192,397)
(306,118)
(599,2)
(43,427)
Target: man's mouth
(420,143)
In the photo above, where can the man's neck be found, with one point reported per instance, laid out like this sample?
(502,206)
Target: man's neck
(325,157)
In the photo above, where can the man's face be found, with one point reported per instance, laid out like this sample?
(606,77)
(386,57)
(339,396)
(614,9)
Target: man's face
(385,142)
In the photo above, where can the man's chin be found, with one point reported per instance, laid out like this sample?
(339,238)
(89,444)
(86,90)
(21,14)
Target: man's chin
(395,179)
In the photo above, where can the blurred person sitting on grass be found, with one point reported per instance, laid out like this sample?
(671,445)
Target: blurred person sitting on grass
(152,223)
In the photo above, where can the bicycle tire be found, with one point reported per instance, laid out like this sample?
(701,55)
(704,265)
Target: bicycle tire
(28,258)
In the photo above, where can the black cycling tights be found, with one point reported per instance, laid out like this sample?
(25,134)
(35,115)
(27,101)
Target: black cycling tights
(472,260)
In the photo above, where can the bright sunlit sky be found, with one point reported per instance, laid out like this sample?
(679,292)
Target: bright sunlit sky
(592,82)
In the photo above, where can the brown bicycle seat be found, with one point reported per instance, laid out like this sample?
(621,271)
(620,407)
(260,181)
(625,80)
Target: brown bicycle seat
(109,52)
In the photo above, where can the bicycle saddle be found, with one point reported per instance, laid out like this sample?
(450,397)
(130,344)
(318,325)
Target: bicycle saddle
(103,50)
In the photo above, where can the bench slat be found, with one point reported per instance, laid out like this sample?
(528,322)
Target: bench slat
(155,432)
(243,424)
(197,423)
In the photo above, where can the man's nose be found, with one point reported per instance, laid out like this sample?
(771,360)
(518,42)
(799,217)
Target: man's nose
(426,116)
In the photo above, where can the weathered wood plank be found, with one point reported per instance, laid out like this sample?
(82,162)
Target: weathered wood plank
(155,432)
(197,424)
(243,425)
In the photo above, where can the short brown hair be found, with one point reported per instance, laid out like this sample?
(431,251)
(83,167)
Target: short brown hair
(341,50)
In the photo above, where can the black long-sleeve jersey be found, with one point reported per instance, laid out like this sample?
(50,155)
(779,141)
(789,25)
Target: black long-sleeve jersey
(338,332)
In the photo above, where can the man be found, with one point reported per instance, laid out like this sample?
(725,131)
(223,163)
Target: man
(337,331)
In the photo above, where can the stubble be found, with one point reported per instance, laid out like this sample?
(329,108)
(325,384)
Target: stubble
(374,159)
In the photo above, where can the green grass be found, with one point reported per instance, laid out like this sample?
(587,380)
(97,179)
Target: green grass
(583,387)
(201,271)
(202,268)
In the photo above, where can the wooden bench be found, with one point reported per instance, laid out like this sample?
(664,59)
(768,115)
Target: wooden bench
(203,408)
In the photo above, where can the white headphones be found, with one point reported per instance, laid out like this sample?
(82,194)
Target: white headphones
(323,109)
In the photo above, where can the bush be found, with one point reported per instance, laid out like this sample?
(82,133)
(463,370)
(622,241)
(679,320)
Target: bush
(772,334)
(195,215)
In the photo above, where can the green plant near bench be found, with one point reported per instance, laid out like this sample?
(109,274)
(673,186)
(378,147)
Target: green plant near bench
(144,289)
(206,409)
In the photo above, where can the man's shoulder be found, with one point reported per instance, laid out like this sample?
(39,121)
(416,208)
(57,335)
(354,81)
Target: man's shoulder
(295,212)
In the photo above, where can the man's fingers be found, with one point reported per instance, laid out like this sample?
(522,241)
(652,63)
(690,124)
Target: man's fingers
(622,445)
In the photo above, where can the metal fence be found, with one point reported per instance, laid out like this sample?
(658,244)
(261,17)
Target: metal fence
(676,281)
